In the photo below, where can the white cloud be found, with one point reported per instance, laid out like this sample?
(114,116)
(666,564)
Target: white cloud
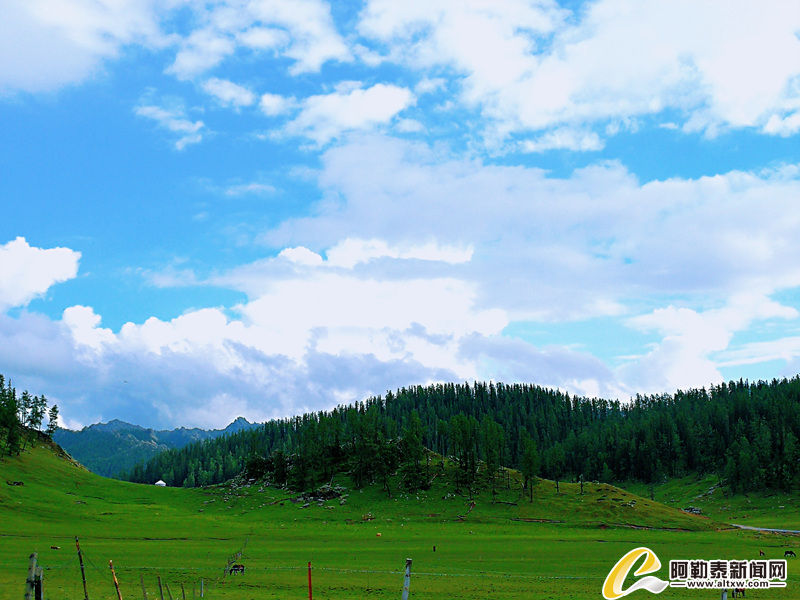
(528,69)
(310,338)
(428,86)
(273,105)
(565,245)
(785,349)
(83,323)
(412,303)
(595,244)
(783,126)
(687,355)
(243,189)
(46,44)
(174,120)
(409,126)
(314,37)
(263,38)
(27,272)
(228,93)
(350,252)
(564,139)
(202,50)
(301,30)
(325,117)
(301,256)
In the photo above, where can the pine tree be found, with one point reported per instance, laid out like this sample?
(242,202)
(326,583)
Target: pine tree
(529,462)
(52,421)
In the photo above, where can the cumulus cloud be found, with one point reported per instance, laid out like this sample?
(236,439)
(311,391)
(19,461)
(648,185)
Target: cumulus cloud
(273,105)
(549,249)
(350,107)
(228,93)
(45,45)
(457,250)
(202,50)
(686,354)
(27,272)
(301,30)
(305,344)
(528,68)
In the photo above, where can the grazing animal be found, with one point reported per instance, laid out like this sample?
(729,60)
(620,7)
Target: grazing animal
(789,553)
(377,535)
(55,547)
(761,553)
(237,569)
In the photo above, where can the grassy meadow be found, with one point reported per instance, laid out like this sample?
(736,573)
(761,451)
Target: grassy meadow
(558,546)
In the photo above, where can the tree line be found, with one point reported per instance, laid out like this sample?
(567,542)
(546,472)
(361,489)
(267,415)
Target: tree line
(744,432)
(19,415)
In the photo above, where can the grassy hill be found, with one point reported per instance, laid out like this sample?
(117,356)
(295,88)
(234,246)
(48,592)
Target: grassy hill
(557,546)
(772,509)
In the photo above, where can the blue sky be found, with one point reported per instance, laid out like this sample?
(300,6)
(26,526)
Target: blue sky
(265,207)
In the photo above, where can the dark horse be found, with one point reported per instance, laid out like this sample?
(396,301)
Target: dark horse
(236,569)
(789,553)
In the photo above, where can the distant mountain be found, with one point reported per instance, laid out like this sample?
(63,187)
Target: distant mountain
(111,448)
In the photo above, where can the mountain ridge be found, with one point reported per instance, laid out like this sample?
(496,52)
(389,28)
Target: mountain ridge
(109,449)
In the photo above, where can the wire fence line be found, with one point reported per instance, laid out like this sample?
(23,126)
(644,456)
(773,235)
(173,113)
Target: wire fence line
(199,570)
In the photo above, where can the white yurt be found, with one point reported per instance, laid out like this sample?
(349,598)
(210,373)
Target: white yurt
(160,483)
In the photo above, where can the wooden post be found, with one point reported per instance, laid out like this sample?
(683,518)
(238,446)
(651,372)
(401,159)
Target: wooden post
(202,589)
(144,590)
(407,579)
(83,573)
(309,581)
(160,588)
(114,576)
(38,593)
(169,592)
(30,582)
(183,591)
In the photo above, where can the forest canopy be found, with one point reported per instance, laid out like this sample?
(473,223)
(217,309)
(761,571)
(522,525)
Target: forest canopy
(744,432)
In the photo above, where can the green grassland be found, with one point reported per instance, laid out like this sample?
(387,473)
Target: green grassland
(558,546)
(773,509)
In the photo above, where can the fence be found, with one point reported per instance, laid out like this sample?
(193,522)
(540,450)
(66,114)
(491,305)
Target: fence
(150,580)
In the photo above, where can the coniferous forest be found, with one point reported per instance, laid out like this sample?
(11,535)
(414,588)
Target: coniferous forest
(21,415)
(745,433)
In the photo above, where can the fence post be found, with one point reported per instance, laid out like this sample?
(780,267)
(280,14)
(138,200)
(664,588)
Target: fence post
(30,581)
(144,590)
(407,579)
(160,588)
(83,573)
(114,576)
(309,580)
(38,584)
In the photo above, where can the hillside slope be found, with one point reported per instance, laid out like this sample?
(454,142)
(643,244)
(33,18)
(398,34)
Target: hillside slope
(559,545)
